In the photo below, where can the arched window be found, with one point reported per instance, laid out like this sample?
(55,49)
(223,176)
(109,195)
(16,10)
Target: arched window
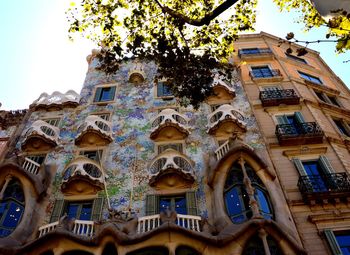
(150,251)
(185,250)
(236,195)
(255,247)
(11,207)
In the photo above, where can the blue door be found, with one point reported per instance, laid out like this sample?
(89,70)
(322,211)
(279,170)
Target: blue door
(314,173)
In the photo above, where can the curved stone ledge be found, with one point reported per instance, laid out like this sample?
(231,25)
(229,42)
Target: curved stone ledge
(229,235)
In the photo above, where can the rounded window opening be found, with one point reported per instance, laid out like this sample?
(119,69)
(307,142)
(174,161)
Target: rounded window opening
(11,207)
(255,247)
(48,131)
(68,173)
(185,250)
(92,170)
(237,198)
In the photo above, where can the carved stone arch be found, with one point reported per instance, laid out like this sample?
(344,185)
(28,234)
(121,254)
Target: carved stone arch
(34,192)
(286,243)
(218,175)
(240,150)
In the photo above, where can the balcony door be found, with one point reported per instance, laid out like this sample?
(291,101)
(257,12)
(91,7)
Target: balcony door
(317,173)
(291,122)
(175,203)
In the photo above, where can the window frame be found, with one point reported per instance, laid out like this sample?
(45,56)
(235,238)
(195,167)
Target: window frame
(310,78)
(98,151)
(99,89)
(296,58)
(56,121)
(344,124)
(179,143)
(261,66)
(162,96)
(326,98)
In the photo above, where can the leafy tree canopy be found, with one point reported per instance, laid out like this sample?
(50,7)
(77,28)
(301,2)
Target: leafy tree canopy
(187,38)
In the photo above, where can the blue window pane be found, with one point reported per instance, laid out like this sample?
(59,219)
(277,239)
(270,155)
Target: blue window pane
(4,232)
(263,204)
(165,203)
(105,94)
(343,241)
(85,213)
(72,211)
(313,170)
(13,215)
(180,205)
(233,202)
(262,72)
(310,78)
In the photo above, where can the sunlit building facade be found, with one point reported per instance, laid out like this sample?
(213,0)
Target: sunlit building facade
(303,111)
(122,168)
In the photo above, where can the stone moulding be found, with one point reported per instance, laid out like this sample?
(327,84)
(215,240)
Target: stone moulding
(83,169)
(233,233)
(168,163)
(225,113)
(136,73)
(41,134)
(218,82)
(56,100)
(238,148)
(94,130)
(169,118)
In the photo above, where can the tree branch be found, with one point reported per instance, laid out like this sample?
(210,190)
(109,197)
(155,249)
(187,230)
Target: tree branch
(198,22)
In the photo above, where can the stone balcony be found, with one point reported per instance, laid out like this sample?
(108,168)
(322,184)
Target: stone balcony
(80,227)
(148,223)
(225,120)
(136,73)
(56,101)
(40,136)
(86,228)
(94,131)
(277,97)
(171,169)
(169,125)
(299,134)
(325,188)
(82,175)
(222,91)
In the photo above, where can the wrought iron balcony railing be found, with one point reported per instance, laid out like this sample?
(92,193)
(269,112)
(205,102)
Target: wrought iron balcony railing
(263,74)
(277,97)
(299,133)
(252,52)
(325,186)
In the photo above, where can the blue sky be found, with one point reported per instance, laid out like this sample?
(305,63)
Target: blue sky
(36,55)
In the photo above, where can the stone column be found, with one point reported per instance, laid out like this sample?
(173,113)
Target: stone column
(263,236)
(8,178)
(250,190)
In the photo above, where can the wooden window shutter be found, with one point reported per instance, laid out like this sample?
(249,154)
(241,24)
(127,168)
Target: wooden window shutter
(97,208)
(299,166)
(160,89)
(112,93)
(325,165)
(98,94)
(57,210)
(191,203)
(332,241)
(152,204)
(299,117)
(282,119)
